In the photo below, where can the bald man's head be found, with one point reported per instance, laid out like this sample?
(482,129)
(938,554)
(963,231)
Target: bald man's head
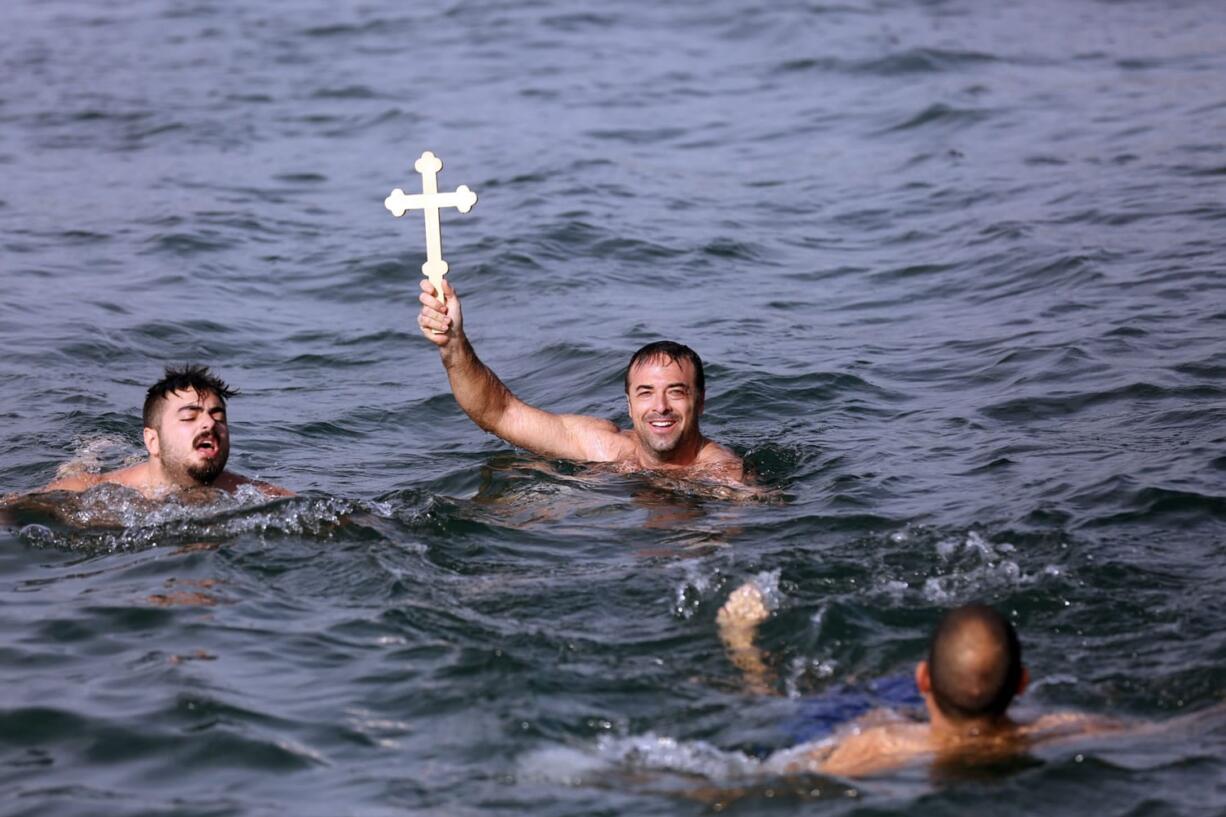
(975,663)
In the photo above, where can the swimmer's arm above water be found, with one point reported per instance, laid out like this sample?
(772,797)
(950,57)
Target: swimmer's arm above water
(492,406)
(738,622)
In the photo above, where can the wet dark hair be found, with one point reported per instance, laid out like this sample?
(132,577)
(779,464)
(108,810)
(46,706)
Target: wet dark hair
(667,350)
(188,377)
(974,662)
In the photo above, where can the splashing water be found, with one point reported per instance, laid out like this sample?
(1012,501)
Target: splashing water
(112,517)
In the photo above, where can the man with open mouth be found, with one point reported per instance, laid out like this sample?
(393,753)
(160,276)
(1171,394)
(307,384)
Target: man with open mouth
(188,439)
(665,391)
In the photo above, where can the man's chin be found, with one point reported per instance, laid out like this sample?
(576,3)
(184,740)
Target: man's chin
(656,445)
(208,471)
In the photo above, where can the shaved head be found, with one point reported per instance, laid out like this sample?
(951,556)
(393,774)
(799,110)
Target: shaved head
(975,662)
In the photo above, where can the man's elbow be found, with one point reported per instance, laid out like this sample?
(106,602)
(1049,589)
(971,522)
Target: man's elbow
(490,416)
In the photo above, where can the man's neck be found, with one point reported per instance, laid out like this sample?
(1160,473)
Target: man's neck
(950,730)
(683,456)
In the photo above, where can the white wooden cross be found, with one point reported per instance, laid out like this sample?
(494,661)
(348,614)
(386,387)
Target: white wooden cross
(430,200)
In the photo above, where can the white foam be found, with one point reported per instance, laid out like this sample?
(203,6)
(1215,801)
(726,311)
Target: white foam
(92,453)
(768,584)
(657,753)
(967,565)
(566,765)
(688,594)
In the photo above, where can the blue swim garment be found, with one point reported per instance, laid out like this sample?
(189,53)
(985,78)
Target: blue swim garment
(819,715)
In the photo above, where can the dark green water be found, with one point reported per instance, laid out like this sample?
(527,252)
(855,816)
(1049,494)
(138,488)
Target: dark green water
(955,269)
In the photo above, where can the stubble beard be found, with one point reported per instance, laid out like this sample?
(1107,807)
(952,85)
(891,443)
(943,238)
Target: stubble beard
(209,470)
(664,448)
(660,446)
(199,473)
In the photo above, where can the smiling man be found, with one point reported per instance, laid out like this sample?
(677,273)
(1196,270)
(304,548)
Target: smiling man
(187,437)
(664,391)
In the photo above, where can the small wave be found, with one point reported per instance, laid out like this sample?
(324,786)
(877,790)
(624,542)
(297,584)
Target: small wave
(209,747)
(768,396)
(575,234)
(347,92)
(1023,409)
(639,136)
(942,115)
(925,61)
(300,178)
(1189,507)
(81,237)
(188,243)
(374,27)
(579,21)
(730,248)
(911,61)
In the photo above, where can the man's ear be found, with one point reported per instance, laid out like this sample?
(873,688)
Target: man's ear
(1023,682)
(152,444)
(922,679)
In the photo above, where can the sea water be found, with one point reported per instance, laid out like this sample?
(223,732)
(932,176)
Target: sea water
(955,269)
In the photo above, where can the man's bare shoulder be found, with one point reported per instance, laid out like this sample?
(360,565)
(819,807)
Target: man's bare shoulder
(134,476)
(720,466)
(876,748)
(720,461)
(714,454)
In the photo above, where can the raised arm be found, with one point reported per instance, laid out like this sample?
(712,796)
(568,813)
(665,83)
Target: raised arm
(492,406)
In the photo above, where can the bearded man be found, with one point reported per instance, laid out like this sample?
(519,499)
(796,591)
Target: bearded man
(188,439)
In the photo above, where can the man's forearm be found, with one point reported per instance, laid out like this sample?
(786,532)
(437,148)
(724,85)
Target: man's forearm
(477,389)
